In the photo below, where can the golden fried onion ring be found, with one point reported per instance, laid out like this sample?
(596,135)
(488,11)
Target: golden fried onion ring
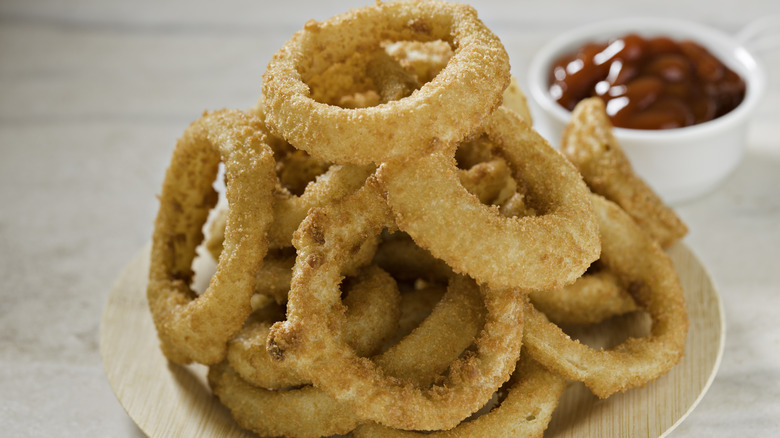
(192,327)
(445,109)
(450,328)
(593,298)
(373,309)
(308,339)
(305,412)
(653,283)
(310,412)
(589,144)
(532,396)
(540,252)
(289,210)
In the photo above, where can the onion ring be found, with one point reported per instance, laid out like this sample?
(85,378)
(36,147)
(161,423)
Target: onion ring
(309,411)
(540,252)
(192,327)
(589,144)
(297,169)
(532,396)
(444,110)
(345,78)
(591,299)
(429,349)
(307,342)
(289,209)
(373,310)
(305,412)
(488,180)
(653,283)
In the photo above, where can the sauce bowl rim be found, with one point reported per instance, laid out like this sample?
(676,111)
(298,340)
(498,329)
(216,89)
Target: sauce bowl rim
(724,46)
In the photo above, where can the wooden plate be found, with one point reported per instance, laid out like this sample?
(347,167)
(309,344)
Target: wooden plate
(168,400)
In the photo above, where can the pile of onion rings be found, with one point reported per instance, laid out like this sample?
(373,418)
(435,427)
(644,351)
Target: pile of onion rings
(398,244)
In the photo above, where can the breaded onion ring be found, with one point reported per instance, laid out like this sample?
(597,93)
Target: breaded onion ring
(532,394)
(289,210)
(591,299)
(305,412)
(194,327)
(546,251)
(653,283)
(589,144)
(416,305)
(308,340)
(444,110)
(487,180)
(297,169)
(373,309)
(311,412)
(430,348)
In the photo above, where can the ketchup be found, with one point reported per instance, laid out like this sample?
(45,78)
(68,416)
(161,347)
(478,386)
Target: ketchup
(648,83)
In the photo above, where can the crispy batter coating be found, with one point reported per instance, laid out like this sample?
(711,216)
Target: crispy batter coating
(289,210)
(444,110)
(278,412)
(307,341)
(653,283)
(545,251)
(423,59)
(373,306)
(305,412)
(532,394)
(588,142)
(194,327)
(296,170)
(431,347)
(591,299)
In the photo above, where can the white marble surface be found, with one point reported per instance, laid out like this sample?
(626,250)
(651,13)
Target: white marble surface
(93,95)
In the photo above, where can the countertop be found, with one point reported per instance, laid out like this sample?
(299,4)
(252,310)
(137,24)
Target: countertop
(94,94)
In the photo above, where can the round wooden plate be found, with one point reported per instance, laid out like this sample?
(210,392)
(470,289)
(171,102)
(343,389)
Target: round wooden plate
(167,400)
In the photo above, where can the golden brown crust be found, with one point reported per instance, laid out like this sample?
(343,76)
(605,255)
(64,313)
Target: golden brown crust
(307,342)
(545,251)
(194,327)
(591,299)
(639,261)
(532,395)
(371,317)
(445,109)
(588,142)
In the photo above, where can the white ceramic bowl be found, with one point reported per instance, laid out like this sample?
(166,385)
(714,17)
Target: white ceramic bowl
(679,164)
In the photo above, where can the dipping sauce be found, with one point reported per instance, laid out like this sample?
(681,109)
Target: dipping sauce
(648,83)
